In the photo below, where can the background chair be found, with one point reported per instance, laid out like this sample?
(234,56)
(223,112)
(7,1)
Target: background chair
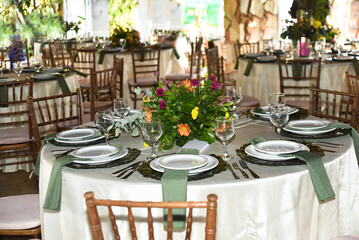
(337,105)
(46,57)
(296,76)
(20,216)
(352,82)
(59,112)
(102,92)
(59,55)
(18,50)
(15,130)
(119,64)
(245,48)
(92,203)
(145,62)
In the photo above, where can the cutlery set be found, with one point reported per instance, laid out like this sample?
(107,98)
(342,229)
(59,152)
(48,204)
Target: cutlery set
(243,165)
(124,173)
(330,145)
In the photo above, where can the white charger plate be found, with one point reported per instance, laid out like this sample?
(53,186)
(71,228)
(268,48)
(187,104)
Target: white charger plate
(98,151)
(307,124)
(309,132)
(277,147)
(77,133)
(78,140)
(182,161)
(251,151)
(7,79)
(102,160)
(266,109)
(212,163)
(343,58)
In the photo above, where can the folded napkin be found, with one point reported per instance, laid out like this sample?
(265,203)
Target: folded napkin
(259,110)
(237,64)
(63,84)
(356,66)
(174,188)
(43,142)
(54,188)
(175,52)
(297,71)
(101,56)
(77,72)
(317,172)
(2,97)
(249,67)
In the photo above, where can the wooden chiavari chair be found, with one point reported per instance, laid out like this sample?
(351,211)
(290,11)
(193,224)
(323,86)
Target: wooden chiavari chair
(15,131)
(119,79)
(59,55)
(296,75)
(95,224)
(245,48)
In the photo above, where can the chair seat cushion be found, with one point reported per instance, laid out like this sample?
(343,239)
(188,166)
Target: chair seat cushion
(178,76)
(84,83)
(143,82)
(248,101)
(98,105)
(14,135)
(20,212)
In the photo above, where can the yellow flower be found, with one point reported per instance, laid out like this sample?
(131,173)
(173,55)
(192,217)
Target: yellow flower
(145,144)
(194,113)
(317,24)
(227,115)
(183,129)
(146,99)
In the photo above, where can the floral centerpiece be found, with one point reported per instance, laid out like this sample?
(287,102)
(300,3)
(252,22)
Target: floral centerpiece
(331,33)
(187,110)
(302,27)
(132,37)
(71,26)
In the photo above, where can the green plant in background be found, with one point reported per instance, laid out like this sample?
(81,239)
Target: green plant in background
(121,14)
(31,19)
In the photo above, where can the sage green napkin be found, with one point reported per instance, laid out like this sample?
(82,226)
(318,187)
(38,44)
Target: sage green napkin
(237,64)
(77,72)
(259,110)
(2,97)
(189,151)
(62,82)
(317,172)
(101,56)
(356,66)
(175,52)
(297,71)
(248,67)
(43,142)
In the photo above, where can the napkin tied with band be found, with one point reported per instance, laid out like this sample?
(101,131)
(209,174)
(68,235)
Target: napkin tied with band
(317,172)
(174,188)
(54,189)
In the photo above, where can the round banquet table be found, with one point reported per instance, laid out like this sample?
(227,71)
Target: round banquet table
(281,204)
(40,89)
(264,78)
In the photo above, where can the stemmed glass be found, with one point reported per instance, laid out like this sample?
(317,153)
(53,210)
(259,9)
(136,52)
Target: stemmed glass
(278,111)
(121,107)
(122,42)
(35,62)
(225,131)
(104,121)
(18,69)
(152,131)
(235,93)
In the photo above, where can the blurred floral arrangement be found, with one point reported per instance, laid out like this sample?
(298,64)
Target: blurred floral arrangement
(187,109)
(331,33)
(132,37)
(71,26)
(302,27)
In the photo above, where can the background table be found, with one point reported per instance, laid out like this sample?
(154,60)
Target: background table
(263,78)
(280,205)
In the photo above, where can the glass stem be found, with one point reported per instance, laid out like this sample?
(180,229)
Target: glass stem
(106,137)
(153,151)
(278,130)
(225,150)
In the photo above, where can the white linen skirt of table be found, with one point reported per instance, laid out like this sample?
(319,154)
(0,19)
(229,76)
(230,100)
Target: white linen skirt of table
(280,205)
(42,89)
(168,63)
(264,78)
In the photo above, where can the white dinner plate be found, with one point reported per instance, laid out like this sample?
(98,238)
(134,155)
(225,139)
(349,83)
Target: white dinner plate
(132,112)
(343,58)
(266,109)
(98,151)
(251,151)
(212,163)
(307,124)
(101,160)
(77,133)
(7,79)
(182,161)
(277,147)
(309,132)
(267,59)
(78,140)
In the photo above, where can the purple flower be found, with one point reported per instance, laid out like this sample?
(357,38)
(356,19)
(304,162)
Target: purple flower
(215,86)
(213,78)
(156,73)
(162,104)
(160,92)
(194,82)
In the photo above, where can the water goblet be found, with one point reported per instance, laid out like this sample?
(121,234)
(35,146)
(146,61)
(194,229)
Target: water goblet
(152,131)
(236,95)
(35,62)
(18,69)
(122,42)
(278,116)
(104,121)
(121,107)
(225,131)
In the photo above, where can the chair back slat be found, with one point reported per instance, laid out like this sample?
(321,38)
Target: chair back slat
(119,63)
(245,48)
(210,205)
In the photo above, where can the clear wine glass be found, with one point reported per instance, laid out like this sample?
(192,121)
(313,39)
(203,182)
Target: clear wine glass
(122,42)
(225,131)
(235,93)
(104,121)
(278,116)
(152,131)
(18,69)
(36,63)
(121,107)
(277,98)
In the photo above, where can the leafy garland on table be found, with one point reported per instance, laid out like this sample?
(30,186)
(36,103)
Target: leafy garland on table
(187,110)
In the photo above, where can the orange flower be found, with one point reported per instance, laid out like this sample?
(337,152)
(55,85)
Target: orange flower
(187,83)
(222,128)
(183,129)
(148,115)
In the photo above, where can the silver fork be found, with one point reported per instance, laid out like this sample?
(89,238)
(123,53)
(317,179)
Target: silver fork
(245,166)
(235,166)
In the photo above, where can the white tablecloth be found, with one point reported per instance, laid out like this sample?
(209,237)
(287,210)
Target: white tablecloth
(280,205)
(42,89)
(264,78)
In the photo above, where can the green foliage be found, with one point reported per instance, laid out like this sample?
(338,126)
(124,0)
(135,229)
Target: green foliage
(121,13)
(303,27)
(187,110)
(132,37)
